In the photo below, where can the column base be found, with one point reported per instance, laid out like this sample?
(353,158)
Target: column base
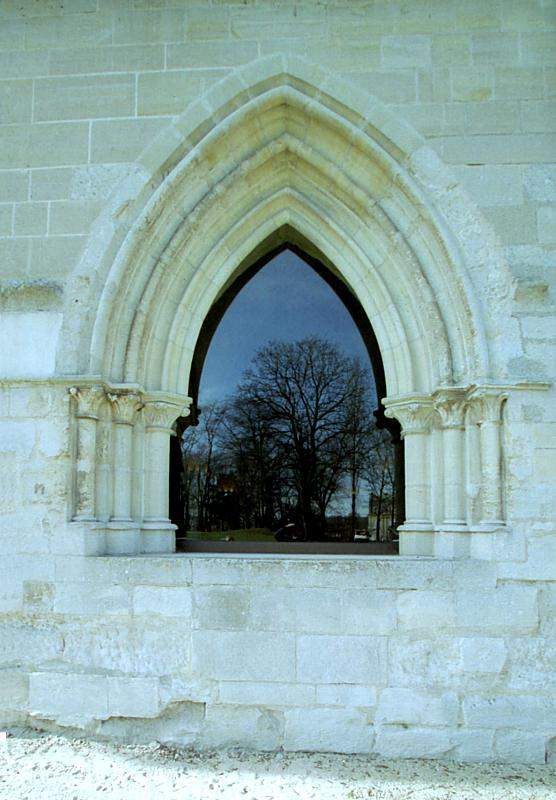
(416,540)
(489,526)
(457,526)
(122,538)
(158,537)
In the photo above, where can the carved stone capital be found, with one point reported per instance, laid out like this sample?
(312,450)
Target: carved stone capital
(451,406)
(88,400)
(414,415)
(125,405)
(486,405)
(162,414)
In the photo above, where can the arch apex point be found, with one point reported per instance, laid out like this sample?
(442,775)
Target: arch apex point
(262,67)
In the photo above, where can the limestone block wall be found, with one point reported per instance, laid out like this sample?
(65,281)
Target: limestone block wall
(86,85)
(395,656)
(399,657)
(412,656)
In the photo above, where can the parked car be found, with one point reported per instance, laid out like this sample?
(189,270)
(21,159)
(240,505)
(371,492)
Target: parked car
(289,533)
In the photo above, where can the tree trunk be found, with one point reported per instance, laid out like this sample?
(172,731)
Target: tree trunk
(399,483)
(176,510)
(393,506)
(379,508)
(353,515)
(353,503)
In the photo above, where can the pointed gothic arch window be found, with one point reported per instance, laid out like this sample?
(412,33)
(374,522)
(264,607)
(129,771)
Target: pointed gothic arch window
(282,145)
(285,531)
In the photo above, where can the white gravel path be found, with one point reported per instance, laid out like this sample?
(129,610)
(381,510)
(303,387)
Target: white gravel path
(54,768)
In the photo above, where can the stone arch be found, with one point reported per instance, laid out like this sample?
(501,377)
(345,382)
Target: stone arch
(281,145)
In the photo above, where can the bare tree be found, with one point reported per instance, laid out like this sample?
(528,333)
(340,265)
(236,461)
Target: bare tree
(378,473)
(359,427)
(305,395)
(253,454)
(201,455)
(297,433)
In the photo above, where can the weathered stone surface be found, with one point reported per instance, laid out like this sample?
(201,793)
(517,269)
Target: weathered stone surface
(530,664)
(368,612)
(481,654)
(148,649)
(541,555)
(69,699)
(233,726)
(472,744)
(315,610)
(14,690)
(168,601)
(432,611)
(520,746)
(267,694)
(154,571)
(341,659)
(84,97)
(529,712)
(29,642)
(38,596)
(144,153)
(79,598)
(178,724)
(239,655)
(317,729)
(411,574)
(432,662)
(507,609)
(133,697)
(221,607)
(413,743)
(408,707)
(344,694)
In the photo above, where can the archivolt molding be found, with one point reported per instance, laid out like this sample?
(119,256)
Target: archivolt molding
(283,152)
(284,142)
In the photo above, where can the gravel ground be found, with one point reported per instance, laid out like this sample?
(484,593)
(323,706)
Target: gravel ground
(54,768)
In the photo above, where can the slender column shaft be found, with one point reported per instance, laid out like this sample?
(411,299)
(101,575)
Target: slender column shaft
(399,467)
(491,505)
(105,469)
(122,472)
(450,405)
(86,483)
(437,475)
(472,469)
(138,477)
(158,534)
(125,406)
(488,407)
(414,417)
(157,456)
(454,498)
(417,490)
(88,400)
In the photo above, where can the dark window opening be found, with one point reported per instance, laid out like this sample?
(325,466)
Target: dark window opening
(296,455)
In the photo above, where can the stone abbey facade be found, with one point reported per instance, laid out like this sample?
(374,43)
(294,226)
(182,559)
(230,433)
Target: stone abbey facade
(149,154)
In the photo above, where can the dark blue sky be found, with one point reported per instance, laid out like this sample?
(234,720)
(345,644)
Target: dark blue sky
(285,300)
